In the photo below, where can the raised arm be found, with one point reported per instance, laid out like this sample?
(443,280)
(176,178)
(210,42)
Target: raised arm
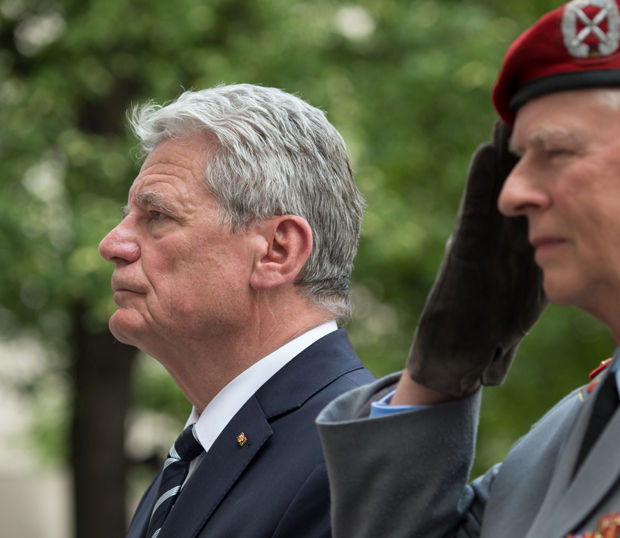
(487,294)
(405,475)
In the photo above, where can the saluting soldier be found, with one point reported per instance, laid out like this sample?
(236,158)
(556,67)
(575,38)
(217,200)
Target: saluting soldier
(542,199)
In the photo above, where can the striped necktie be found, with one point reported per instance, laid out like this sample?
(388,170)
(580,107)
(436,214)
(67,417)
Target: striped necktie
(175,469)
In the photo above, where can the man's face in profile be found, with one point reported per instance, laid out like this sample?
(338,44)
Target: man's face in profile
(567,184)
(180,278)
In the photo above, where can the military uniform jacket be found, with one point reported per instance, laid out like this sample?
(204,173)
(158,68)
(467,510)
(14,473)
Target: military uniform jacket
(275,485)
(405,475)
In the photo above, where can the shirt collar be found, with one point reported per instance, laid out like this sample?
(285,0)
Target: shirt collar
(233,396)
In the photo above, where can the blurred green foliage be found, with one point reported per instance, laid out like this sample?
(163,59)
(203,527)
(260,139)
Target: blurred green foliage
(407,84)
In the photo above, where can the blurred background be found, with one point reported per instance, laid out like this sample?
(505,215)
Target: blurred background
(84,421)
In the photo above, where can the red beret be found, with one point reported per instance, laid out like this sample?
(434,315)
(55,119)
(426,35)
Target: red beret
(572,47)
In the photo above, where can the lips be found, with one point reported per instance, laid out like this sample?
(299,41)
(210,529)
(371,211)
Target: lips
(545,244)
(125,292)
(543,241)
(121,285)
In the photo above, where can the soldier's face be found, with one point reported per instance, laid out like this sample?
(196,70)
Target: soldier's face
(567,184)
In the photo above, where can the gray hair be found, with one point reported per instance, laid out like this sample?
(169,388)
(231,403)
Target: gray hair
(272,154)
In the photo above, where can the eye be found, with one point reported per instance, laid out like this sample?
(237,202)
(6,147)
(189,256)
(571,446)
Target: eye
(157,216)
(559,155)
(565,146)
(557,152)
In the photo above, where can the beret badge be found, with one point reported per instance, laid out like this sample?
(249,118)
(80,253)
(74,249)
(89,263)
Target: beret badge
(573,47)
(591,28)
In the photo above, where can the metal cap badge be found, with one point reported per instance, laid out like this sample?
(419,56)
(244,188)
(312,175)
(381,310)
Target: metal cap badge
(591,28)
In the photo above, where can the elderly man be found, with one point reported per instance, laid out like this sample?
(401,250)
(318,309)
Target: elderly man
(403,471)
(231,269)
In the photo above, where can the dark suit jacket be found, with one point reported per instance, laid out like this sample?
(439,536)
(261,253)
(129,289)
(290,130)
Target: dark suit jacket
(276,485)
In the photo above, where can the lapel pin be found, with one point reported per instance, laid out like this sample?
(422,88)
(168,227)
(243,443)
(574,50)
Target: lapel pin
(242,439)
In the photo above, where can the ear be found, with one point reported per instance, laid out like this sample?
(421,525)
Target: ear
(285,244)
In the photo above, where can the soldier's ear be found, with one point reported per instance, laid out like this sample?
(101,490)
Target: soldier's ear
(283,246)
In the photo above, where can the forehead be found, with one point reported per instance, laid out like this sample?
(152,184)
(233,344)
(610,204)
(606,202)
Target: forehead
(174,166)
(565,112)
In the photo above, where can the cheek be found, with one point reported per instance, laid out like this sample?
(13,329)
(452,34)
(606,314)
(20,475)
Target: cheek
(189,278)
(185,281)
(168,270)
(591,219)
(580,204)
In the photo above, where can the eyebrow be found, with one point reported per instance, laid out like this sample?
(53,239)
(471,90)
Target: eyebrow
(154,199)
(543,135)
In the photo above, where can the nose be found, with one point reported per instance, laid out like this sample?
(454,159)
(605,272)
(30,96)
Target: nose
(522,193)
(120,245)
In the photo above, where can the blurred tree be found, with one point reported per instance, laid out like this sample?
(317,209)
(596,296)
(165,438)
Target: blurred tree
(407,84)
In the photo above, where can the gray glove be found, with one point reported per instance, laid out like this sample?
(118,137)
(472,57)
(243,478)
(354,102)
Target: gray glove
(488,291)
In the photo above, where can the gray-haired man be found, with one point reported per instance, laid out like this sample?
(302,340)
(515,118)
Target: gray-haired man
(231,269)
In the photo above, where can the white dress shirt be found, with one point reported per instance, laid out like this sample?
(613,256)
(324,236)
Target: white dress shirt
(220,411)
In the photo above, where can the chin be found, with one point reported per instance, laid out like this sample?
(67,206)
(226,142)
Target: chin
(124,328)
(562,293)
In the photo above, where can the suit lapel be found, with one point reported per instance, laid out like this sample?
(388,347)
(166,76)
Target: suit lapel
(140,521)
(308,373)
(569,502)
(217,472)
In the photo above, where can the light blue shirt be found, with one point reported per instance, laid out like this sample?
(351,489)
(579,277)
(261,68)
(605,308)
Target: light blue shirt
(383,408)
